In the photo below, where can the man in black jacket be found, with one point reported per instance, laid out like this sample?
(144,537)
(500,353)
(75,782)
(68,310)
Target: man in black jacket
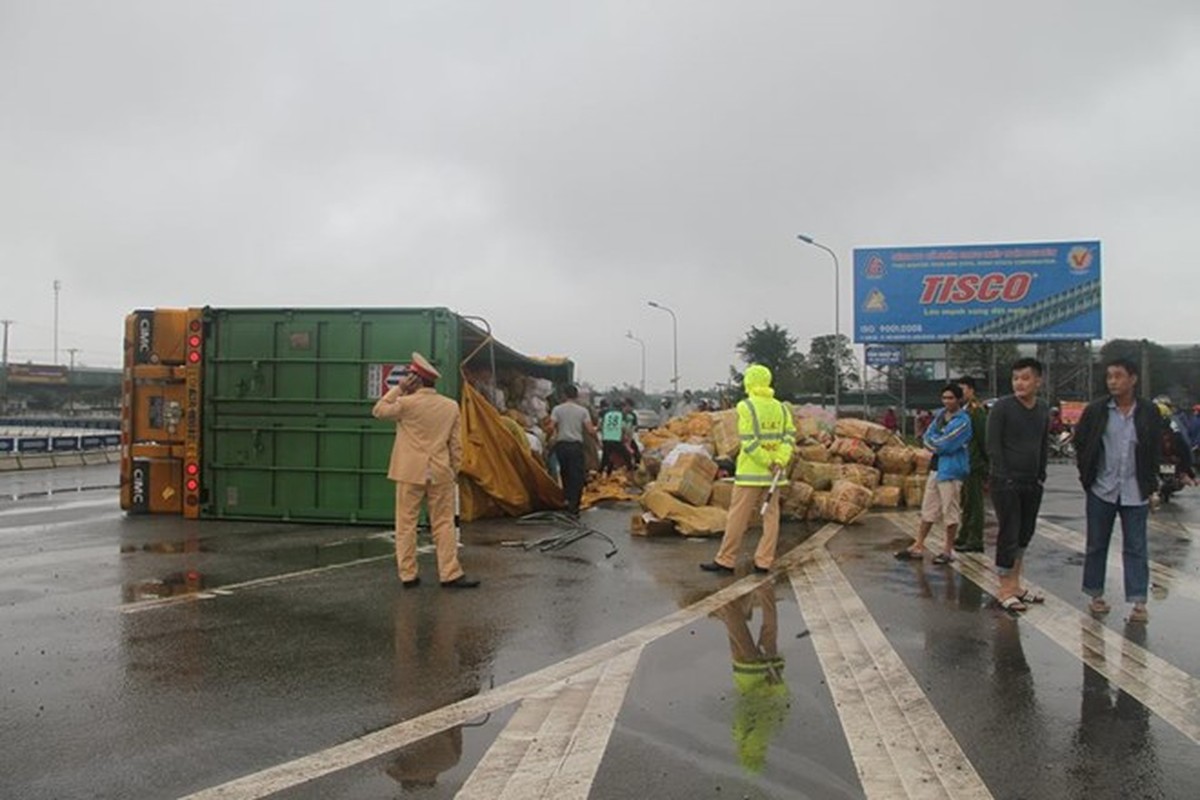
(1117,450)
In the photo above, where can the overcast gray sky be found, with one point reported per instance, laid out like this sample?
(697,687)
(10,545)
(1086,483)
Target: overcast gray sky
(553,165)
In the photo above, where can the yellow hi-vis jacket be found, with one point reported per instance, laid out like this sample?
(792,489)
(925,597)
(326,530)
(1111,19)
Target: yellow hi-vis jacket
(768,437)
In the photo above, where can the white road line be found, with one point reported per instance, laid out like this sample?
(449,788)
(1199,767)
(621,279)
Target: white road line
(901,746)
(230,588)
(1173,527)
(1162,687)
(316,765)
(43,527)
(553,745)
(21,511)
(1160,574)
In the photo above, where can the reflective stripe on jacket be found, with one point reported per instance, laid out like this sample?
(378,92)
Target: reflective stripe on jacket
(768,436)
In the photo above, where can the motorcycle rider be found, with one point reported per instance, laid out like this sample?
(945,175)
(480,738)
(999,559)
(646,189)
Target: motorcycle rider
(1176,449)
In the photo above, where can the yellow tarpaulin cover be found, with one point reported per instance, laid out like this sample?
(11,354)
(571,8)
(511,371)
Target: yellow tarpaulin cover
(499,466)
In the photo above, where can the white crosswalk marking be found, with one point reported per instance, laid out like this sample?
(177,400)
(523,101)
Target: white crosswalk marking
(900,744)
(553,745)
(1159,573)
(356,751)
(1162,687)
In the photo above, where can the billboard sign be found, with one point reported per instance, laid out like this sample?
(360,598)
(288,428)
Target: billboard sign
(884,355)
(1043,291)
(44,374)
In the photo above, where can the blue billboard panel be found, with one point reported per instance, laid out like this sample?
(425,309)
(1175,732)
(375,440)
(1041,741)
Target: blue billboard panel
(1045,291)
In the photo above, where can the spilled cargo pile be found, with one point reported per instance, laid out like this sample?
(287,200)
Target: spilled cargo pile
(841,469)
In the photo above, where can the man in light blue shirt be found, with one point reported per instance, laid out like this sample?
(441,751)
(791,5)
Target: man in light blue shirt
(1117,443)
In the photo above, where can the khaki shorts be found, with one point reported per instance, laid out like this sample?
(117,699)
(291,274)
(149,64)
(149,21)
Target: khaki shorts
(941,503)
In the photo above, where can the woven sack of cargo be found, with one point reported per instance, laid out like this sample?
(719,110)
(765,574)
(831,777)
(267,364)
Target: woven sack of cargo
(818,476)
(896,460)
(699,424)
(869,432)
(854,450)
(860,474)
(852,493)
(724,433)
(894,480)
(814,452)
(921,459)
(812,429)
(845,512)
(794,503)
(821,506)
(888,497)
(914,490)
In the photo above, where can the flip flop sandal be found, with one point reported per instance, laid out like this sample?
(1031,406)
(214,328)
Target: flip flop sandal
(909,555)
(1139,614)
(1099,606)
(942,558)
(1013,604)
(1029,597)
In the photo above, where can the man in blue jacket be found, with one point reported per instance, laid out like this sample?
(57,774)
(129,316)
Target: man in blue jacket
(948,437)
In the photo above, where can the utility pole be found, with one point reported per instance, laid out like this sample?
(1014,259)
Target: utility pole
(71,381)
(57,286)
(4,384)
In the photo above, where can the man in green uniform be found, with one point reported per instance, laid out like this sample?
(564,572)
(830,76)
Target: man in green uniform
(970,535)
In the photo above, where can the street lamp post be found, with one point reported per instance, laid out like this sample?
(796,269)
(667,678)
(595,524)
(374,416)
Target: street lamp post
(57,286)
(629,335)
(837,321)
(674,346)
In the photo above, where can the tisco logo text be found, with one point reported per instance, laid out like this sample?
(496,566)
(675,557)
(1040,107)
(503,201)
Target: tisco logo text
(972,288)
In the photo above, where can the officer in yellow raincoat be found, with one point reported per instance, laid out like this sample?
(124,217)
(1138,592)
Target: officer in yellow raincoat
(768,436)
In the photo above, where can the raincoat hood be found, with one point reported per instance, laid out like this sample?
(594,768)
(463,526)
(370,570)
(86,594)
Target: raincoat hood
(757,381)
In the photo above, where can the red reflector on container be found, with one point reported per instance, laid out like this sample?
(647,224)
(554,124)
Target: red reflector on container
(193,484)
(192,469)
(194,325)
(193,357)
(193,341)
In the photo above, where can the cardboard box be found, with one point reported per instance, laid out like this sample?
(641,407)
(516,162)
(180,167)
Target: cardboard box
(687,486)
(698,464)
(722,494)
(646,524)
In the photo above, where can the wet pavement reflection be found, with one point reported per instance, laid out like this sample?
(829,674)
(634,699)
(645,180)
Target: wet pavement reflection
(304,640)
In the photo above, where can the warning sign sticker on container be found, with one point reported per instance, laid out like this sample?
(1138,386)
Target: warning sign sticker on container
(381,377)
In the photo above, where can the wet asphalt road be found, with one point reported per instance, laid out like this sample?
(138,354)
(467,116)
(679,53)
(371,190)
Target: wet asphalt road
(154,657)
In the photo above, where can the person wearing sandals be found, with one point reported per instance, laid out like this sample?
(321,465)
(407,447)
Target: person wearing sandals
(949,437)
(1117,450)
(1018,445)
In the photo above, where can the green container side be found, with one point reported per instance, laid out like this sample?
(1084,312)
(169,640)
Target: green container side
(288,432)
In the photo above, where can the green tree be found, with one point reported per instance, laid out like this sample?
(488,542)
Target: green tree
(976,359)
(774,348)
(820,360)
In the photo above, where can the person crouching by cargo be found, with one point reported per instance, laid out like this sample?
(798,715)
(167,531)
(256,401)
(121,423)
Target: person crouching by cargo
(948,437)
(426,457)
(768,436)
(570,420)
(614,455)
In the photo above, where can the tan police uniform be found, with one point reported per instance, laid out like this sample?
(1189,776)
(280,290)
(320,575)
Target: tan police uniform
(426,457)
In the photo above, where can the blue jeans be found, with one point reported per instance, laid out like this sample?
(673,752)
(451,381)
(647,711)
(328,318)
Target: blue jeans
(1100,518)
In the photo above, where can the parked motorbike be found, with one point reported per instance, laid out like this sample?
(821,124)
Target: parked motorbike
(1062,446)
(1170,480)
